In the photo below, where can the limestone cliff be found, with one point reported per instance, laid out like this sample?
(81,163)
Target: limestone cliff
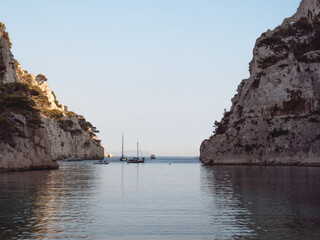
(275,116)
(35,130)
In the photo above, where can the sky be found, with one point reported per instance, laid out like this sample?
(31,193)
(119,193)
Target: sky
(160,71)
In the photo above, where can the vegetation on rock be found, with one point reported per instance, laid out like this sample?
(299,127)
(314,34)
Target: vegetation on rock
(56,101)
(70,114)
(8,130)
(298,38)
(15,98)
(5,33)
(41,78)
(26,101)
(222,126)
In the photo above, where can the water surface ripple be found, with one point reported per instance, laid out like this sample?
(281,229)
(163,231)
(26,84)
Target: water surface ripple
(155,200)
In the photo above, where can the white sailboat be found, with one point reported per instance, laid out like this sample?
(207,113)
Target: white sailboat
(123,158)
(136,159)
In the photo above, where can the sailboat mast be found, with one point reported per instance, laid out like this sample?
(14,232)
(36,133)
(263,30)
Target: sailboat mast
(122,146)
(138,150)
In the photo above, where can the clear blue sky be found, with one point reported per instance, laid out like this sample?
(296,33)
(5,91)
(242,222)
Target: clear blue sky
(160,71)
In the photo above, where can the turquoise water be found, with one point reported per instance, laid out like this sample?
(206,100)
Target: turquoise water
(158,200)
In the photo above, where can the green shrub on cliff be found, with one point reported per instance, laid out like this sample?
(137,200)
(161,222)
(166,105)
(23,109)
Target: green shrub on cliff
(15,97)
(66,125)
(5,33)
(31,92)
(54,114)
(28,79)
(300,27)
(17,87)
(87,126)
(34,121)
(41,100)
(18,103)
(298,38)
(7,129)
(219,128)
(41,78)
(70,114)
(271,41)
(222,126)
(56,101)
(83,123)
(29,100)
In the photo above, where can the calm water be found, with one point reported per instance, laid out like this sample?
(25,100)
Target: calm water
(155,200)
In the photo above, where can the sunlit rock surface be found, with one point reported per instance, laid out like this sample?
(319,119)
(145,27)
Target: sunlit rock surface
(35,130)
(275,116)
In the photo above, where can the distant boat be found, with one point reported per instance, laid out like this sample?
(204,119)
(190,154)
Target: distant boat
(123,158)
(136,159)
(152,156)
(101,162)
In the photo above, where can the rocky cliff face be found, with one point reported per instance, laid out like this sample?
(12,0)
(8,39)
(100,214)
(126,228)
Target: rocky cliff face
(7,72)
(35,130)
(70,134)
(275,116)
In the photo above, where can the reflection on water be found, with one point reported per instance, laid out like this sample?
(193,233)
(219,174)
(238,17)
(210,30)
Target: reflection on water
(161,201)
(280,202)
(34,204)
(227,215)
(17,200)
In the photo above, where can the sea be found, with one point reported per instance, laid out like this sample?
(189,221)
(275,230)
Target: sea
(166,198)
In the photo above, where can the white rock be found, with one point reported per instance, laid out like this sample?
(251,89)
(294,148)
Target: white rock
(42,145)
(275,117)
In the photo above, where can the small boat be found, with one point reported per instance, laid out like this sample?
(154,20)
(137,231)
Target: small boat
(101,162)
(152,156)
(122,158)
(136,159)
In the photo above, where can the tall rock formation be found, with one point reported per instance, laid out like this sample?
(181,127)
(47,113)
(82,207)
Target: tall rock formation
(35,130)
(275,116)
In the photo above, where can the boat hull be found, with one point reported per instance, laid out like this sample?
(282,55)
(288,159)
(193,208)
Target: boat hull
(135,160)
(101,163)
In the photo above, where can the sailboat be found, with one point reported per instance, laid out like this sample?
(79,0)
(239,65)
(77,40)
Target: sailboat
(136,159)
(122,158)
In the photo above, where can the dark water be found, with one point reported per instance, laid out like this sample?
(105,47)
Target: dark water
(155,200)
